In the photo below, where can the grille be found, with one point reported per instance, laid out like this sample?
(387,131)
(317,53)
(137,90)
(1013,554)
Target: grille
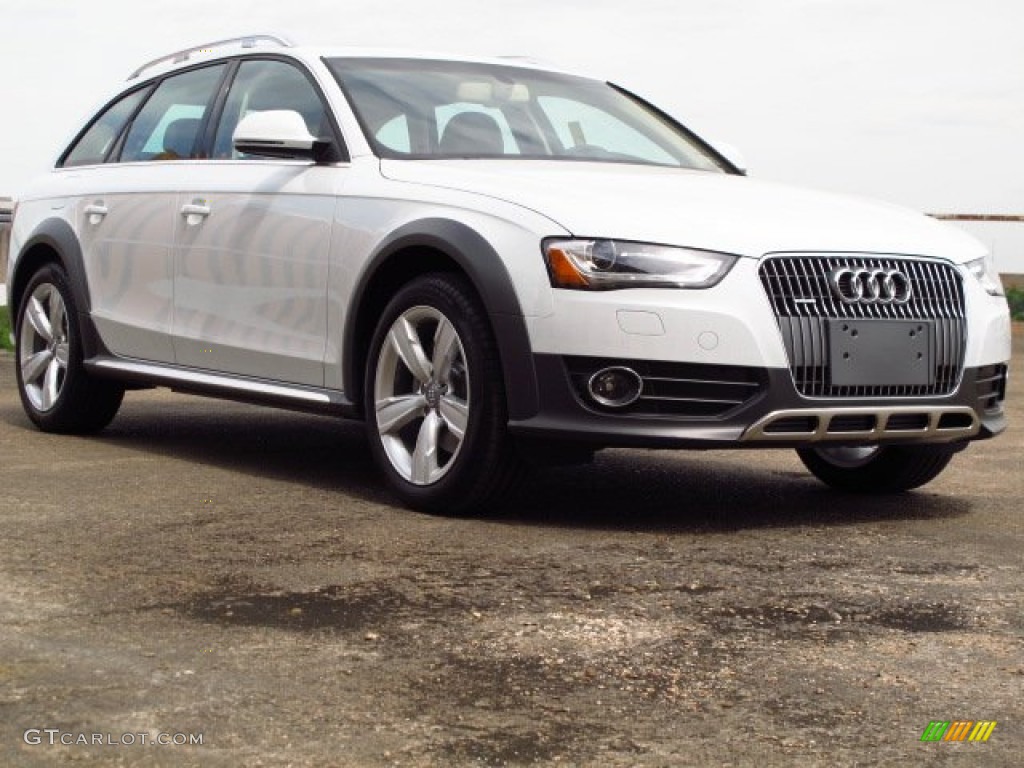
(798,289)
(674,389)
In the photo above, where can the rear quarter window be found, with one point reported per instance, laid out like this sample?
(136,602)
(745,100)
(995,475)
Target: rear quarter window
(92,146)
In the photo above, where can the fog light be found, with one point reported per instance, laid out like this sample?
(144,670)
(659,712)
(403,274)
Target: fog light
(615,387)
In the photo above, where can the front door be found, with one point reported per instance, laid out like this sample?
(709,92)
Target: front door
(251,253)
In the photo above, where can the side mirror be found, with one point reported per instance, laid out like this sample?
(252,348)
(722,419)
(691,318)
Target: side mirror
(730,153)
(280,133)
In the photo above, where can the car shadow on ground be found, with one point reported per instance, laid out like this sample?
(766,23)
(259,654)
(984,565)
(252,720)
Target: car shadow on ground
(693,492)
(658,491)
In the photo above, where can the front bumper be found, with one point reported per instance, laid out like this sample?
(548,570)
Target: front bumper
(772,413)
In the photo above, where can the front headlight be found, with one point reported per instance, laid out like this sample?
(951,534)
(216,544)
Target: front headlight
(598,265)
(984,269)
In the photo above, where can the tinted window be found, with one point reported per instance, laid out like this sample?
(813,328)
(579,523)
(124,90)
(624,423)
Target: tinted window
(94,144)
(266,85)
(167,127)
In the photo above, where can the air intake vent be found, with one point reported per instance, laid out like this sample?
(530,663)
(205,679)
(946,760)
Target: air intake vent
(912,422)
(860,423)
(955,421)
(991,387)
(793,425)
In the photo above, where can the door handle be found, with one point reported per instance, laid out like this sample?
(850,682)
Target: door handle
(195,209)
(195,212)
(96,211)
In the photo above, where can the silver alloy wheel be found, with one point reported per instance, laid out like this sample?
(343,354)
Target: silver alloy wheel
(421,395)
(44,347)
(848,457)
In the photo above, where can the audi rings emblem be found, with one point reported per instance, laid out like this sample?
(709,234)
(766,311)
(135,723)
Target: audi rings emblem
(860,285)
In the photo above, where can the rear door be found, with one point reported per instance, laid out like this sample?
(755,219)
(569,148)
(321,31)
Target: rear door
(126,216)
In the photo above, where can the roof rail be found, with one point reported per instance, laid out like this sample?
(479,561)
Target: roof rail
(246,41)
(527,59)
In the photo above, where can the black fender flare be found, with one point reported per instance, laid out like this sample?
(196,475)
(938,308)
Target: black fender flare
(58,236)
(477,258)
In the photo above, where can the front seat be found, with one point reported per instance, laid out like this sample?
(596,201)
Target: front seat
(472,133)
(179,139)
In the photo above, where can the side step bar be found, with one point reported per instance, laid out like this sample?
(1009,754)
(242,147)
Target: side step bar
(241,388)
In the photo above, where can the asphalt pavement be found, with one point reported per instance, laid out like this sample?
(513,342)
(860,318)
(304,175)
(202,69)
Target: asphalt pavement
(214,572)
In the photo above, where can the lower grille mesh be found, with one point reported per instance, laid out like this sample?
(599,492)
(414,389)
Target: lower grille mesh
(991,387)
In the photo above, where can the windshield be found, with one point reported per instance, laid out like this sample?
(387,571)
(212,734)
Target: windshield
(423,109)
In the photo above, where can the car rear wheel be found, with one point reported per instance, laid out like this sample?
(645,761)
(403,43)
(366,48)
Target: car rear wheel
(877,468)
(56,392)
(435,399)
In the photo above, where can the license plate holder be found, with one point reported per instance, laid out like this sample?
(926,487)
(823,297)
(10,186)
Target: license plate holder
(885,353)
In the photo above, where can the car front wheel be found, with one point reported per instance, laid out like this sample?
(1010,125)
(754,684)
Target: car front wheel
(56,392)
(876,468)
(435,399)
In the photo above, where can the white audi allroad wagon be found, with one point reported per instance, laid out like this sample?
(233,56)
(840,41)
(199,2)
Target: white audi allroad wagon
(488,261)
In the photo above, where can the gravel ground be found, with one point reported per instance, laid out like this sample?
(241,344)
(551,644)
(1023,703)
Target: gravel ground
(218,569)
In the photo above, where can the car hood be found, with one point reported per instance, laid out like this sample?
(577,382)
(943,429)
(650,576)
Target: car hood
(719,212)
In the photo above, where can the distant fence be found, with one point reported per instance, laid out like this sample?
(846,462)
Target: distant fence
(977,216)
(6,205)
(1013,279)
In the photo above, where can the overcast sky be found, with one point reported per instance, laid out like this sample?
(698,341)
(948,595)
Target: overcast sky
(920,102)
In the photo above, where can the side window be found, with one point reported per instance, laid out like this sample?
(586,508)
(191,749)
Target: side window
(580,125)
(265,85)
(167,127)
(394,134)
(92,147)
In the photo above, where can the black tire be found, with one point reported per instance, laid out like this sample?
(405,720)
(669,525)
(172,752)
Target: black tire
(478,471)
(890,469)
(83,403)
